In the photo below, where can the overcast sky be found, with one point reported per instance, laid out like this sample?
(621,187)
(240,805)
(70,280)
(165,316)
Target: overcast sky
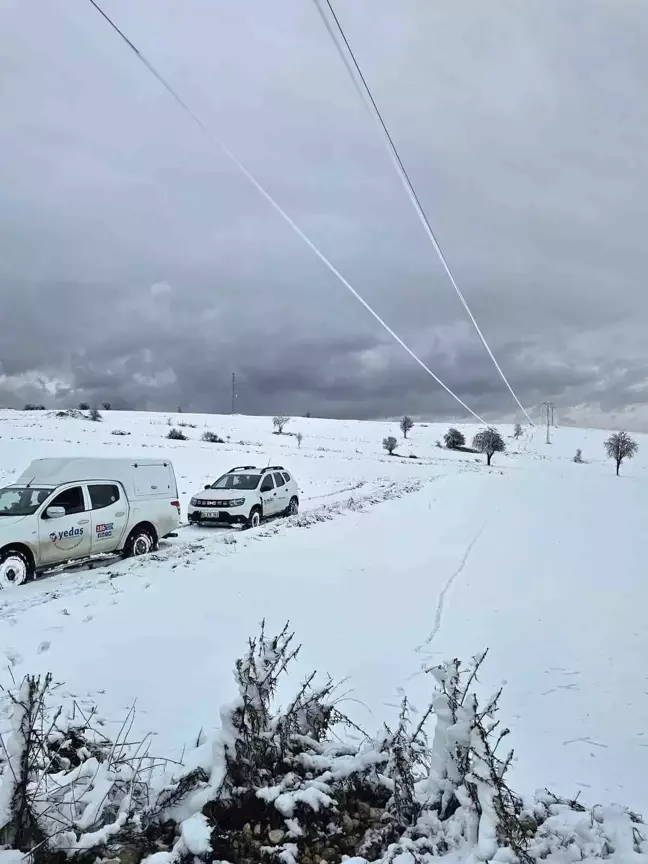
(138,266)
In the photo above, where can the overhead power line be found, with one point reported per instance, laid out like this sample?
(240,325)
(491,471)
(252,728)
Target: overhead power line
(217,141)
(336,33)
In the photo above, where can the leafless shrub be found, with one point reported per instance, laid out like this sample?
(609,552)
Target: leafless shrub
(212,438)
(405,425)
(620,446)
(279,422)
(286,784)
(390,444)
(177,435)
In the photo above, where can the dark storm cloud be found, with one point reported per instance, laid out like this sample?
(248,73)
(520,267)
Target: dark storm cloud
(138,266)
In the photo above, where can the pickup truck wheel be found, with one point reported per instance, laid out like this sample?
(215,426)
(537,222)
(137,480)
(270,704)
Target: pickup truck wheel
(15,568)
(255,518)
(140,542)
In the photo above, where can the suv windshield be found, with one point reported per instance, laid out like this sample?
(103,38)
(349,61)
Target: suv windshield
(237,481)
(22,501)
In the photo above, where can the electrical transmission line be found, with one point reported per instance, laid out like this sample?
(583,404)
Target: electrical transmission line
(221,146)
(335,30)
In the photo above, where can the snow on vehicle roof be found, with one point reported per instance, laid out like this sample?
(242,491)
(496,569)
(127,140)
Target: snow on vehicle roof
(56,471)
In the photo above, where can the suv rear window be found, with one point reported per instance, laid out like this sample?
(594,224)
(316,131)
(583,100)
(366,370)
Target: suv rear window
(279,479)
(103,495)
(286,476)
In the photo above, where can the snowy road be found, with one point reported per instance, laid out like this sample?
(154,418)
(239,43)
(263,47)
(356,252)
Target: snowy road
(536,559)
(475,560)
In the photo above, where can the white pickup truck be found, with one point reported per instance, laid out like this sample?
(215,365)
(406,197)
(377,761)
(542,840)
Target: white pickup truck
(67,510)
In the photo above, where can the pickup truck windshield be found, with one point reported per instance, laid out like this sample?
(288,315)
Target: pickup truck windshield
(237,481)
(22,501)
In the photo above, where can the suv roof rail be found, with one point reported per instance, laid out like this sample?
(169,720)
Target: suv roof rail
(243,468)
(273,468)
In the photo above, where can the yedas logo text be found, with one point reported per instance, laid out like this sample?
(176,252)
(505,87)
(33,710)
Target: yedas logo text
(74,534)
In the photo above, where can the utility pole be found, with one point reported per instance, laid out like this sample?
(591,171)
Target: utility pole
(548,413)
(233,392)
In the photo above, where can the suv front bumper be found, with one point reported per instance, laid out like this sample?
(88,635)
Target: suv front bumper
(235,516)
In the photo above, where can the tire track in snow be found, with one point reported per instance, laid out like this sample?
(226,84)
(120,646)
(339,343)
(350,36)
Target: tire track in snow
(189,552)
(438,618)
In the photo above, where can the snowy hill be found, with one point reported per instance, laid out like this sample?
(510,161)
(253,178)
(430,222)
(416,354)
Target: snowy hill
(393,565)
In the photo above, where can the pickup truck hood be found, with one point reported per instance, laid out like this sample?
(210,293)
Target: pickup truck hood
(221,494)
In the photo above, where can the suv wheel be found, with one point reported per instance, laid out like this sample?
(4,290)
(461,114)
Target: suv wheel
(293,507)
(255,518)
(15,568)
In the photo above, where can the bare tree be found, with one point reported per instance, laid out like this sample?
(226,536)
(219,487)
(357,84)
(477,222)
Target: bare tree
(406,424)
(300,438)
(454,439)
(489,441)
(95,414)
(517,430)
(620,446)
(106,406)
(83,406)
(279,423)
(390,444)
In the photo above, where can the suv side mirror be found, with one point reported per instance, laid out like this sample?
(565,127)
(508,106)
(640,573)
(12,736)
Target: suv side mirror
(55,512)
(208,486)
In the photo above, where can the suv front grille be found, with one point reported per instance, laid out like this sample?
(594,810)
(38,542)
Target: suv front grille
(214,504)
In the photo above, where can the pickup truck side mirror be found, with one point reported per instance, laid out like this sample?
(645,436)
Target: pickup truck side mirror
(55,512)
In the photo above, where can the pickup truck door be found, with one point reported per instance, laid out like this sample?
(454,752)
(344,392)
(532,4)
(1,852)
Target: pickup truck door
(109,516)
(68,537)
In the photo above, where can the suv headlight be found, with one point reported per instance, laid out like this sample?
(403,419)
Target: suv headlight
(194,502)
(236,502)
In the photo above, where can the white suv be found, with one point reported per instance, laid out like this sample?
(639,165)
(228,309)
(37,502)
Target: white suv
(245,496)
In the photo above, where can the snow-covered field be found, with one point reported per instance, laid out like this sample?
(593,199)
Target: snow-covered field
(394,564)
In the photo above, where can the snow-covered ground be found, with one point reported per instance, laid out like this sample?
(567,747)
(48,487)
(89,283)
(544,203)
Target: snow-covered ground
(395,564)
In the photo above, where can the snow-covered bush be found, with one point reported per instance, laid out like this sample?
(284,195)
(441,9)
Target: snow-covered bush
(176,434)
(95,415)
(579,456)
(212,438)
(286,785)
(119,432)
(454,439)
(517,430)
(299,438)
(390,444)
(620,446)
(83,406)
(489,441)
